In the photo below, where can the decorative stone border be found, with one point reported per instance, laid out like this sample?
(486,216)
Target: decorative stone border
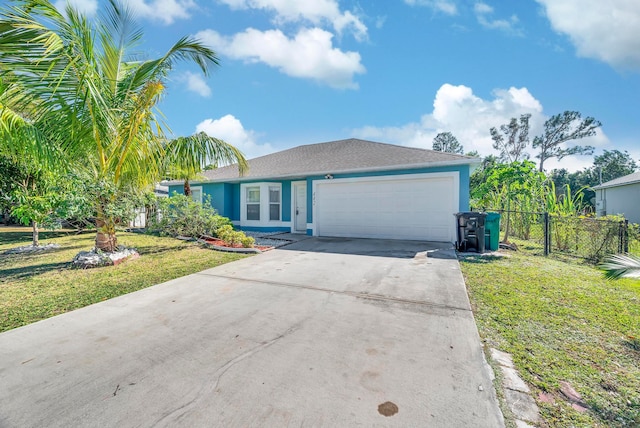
(229,249)
(93,258)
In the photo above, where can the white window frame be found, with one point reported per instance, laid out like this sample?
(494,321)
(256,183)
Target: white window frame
(279,203)
(264,205)
(196,190)
(245,206)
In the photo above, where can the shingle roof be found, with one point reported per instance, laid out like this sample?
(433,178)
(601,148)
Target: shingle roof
(337,157)
(620,181)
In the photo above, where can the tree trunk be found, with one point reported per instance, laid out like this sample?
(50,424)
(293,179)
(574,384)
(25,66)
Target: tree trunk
(106,236)
(36,234)
(506,229)
(187,188)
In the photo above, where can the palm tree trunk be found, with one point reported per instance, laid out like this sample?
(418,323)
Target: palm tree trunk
(105,232)
(36,235)
(187,188)
(106,239)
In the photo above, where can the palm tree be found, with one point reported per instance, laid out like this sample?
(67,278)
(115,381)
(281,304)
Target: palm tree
(621,266)
(186,157)
(95,98)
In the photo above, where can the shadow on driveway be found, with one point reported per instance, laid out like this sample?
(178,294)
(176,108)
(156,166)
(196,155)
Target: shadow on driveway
(373,247)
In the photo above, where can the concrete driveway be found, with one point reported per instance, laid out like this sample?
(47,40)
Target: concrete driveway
(324,332)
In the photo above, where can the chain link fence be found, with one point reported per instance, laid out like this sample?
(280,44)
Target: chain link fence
(585,237)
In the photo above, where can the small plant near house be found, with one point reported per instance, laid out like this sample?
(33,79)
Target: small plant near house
(180,215)
(234,238)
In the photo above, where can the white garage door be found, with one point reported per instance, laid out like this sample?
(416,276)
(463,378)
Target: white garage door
(417,207)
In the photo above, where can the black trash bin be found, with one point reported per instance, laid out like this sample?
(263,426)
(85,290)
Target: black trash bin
(470,228)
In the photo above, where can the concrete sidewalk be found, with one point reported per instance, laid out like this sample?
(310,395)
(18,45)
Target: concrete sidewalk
(321,333)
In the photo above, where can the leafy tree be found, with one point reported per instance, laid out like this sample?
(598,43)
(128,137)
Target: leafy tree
(560,129)
(612,164)
(480,175)
(512,139)
(513,180)
(187,157)
(447,142)
(582,180)
(182,216)
(87,92)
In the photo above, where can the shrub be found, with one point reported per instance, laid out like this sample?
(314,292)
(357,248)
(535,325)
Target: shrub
(248,241)
(180,215)
(233,237)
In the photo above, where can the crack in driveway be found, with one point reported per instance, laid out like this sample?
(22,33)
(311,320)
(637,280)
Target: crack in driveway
(178,413)
(361,295)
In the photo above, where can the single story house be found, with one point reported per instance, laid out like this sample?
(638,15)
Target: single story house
(346,188)
(620,196)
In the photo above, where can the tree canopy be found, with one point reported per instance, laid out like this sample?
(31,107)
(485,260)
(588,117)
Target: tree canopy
(447,142)
(560,129)
(512,139)
(84,90)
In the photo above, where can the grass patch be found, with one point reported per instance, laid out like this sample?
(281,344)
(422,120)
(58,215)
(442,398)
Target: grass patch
(562,321)
(40,285)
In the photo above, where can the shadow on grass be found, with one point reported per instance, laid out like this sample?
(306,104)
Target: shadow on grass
(26,237)
(35,254)
(478,258)
(15,274)
(154,249)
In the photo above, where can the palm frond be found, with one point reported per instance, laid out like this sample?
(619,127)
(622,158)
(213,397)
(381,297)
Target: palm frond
(621,266)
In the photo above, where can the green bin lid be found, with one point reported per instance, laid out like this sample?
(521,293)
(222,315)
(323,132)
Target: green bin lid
(493,216)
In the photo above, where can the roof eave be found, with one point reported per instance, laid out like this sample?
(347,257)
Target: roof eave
(607,186)
(470,162)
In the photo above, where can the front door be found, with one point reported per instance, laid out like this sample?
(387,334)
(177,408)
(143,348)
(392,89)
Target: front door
(300,207)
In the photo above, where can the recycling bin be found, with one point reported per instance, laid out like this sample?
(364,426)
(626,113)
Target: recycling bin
(492,231)
(470,231)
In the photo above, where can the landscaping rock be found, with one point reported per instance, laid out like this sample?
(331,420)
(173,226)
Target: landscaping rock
(93,258)
(522,406)
(573,397)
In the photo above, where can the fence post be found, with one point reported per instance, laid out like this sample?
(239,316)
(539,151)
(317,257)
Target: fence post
(547,238)
(623,236)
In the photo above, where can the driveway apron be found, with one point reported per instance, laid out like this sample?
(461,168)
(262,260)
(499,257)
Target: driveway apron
(323,332)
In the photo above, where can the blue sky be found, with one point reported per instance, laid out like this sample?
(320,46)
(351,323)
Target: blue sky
(399,71)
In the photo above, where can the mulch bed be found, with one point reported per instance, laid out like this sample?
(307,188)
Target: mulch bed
(220,243)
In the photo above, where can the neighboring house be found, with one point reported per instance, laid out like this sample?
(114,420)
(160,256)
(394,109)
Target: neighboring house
(620,196)
(347,188)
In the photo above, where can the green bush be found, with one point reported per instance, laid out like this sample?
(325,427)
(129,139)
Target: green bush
(180,215)
(233,237)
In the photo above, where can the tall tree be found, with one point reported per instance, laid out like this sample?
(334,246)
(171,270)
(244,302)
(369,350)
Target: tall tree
(512,139)
(447,142)
(187,157)
(612,164)
(561,128)
(96,96)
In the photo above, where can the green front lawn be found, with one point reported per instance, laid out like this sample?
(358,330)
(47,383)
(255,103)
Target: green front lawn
(562,321)
(37,286)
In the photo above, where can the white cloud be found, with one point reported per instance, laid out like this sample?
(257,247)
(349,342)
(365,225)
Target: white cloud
(458,110)
(310,54)
(603,30)
(230,129)
(447,7)
(86,7)
(484,14)
(316,12)
(196,83)
(166,11)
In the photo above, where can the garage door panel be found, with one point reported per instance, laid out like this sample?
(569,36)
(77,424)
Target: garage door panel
(398,209)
